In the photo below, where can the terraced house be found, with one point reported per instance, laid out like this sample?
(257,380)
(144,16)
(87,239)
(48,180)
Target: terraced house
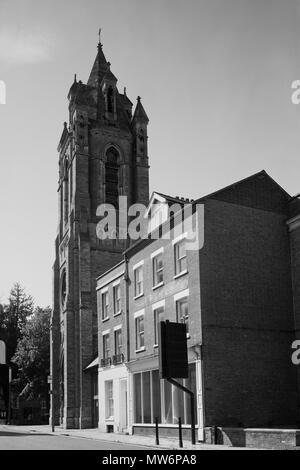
(235,285)
(234,292)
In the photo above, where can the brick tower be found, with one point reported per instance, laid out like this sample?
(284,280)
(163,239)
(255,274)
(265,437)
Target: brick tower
(102,155)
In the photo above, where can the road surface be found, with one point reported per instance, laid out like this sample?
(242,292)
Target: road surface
(15,440)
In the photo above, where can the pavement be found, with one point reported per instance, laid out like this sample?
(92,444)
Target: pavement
(132,442)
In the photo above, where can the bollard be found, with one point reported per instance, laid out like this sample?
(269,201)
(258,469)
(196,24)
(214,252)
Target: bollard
(156,432)
(215,434)
(180,433)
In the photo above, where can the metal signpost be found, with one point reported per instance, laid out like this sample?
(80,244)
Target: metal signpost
(173,360)
(50,382)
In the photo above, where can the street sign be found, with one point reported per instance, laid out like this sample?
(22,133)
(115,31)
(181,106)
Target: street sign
(173,361)
(173,357)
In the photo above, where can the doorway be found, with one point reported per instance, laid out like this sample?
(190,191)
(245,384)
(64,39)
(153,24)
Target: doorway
(123,406)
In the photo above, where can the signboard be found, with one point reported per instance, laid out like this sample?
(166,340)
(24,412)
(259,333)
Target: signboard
(173,357)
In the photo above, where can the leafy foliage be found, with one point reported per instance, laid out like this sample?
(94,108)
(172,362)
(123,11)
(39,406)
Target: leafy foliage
(26,332)
(32,354)
(13,317)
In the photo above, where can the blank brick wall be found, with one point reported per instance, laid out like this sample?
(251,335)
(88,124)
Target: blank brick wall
(247,314)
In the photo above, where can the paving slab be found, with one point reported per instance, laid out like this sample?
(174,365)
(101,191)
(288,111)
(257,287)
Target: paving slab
(147,442)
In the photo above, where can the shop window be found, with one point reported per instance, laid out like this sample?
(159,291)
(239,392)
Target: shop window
(155,398)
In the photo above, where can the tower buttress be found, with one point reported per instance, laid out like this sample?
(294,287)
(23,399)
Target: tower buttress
(140,123)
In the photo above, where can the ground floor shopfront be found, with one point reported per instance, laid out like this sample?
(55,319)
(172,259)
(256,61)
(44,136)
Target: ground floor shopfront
(134,396)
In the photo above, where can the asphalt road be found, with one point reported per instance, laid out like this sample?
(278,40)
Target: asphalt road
(34,441)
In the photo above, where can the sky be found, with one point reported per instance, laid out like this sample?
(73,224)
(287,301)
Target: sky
(215,80)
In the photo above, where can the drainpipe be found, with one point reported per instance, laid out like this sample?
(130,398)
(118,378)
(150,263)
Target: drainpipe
(126,279)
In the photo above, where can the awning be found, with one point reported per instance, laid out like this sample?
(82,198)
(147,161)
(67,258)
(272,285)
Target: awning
(94,363)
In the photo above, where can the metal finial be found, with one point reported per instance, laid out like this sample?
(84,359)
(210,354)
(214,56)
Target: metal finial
(99,33)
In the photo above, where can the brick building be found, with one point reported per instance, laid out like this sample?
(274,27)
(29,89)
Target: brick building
(238,290)
(102,155)
(236,295)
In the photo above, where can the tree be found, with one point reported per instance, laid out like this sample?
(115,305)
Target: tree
(32,355)
(13,317)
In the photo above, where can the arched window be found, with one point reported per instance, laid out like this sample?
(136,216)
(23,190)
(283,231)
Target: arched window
(110,100)
(112,177)
(63,288)
(141,135)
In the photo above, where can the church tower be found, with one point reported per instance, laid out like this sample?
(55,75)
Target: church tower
(102,155)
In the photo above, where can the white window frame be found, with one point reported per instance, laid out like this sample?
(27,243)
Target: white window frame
(177,297)
(104,292)
(138,315)
(117,285)
(155,307)
(177,260)
(109,400)
(138,268)
(118,328)
(154,256)
(106,334)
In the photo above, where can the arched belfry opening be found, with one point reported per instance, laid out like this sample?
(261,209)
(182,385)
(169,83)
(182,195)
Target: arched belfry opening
(110,100)
(112,176)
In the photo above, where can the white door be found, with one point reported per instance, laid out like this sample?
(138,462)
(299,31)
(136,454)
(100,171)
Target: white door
(123,405)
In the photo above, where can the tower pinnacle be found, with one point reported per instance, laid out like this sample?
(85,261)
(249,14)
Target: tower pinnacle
(99,35)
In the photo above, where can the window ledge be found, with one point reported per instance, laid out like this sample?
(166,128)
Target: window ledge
(181,274)
(118,313)
(158,285)
(105,319)
(155,346)
(140,350)
(138,296)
